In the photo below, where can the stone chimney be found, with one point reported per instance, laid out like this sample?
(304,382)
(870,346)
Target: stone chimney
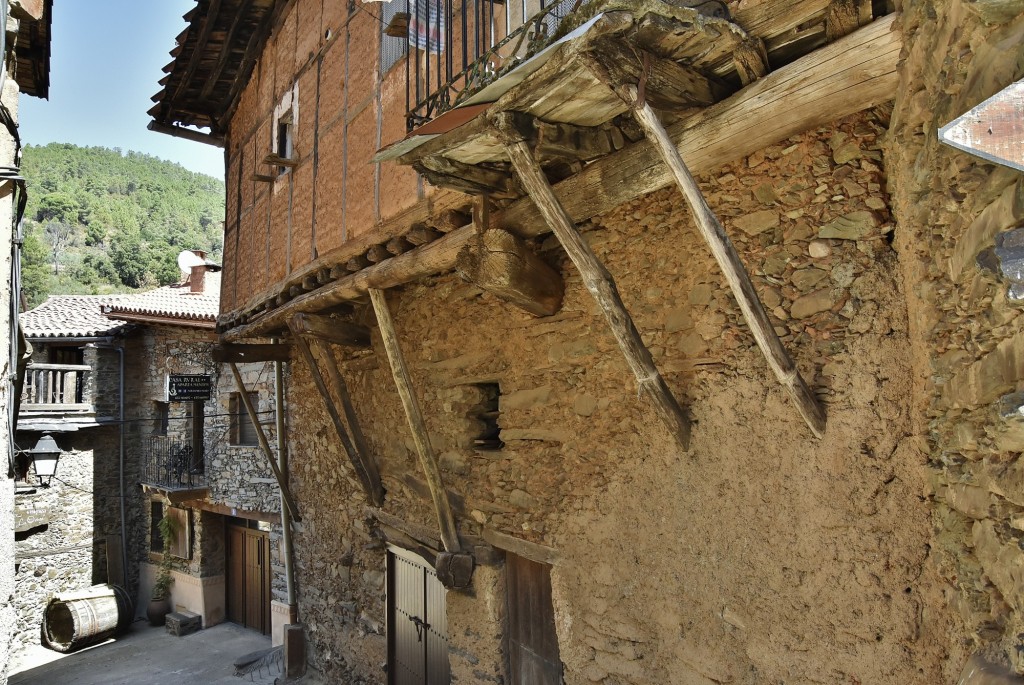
(197,277)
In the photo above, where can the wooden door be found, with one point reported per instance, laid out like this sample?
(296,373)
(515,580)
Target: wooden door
(417,623)
(532,640)
(248,578)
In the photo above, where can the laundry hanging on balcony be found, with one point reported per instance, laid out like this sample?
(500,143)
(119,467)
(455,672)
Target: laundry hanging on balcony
(426,25)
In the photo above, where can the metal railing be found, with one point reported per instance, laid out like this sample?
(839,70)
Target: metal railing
(457,47)
(55,387)
(171,464)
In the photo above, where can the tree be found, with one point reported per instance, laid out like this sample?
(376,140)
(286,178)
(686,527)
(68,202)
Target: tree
(59,235)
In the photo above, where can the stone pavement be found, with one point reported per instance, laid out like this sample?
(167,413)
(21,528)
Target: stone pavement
(149,656)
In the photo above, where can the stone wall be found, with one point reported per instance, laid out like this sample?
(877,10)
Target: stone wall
(955,214)
(63,529)
(761,554)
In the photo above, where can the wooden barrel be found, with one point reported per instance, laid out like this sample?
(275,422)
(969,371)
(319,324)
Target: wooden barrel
(79,619)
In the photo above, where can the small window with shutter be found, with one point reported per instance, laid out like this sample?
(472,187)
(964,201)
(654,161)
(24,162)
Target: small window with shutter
(243,432)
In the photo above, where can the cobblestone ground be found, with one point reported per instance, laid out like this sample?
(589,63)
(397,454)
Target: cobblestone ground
(150,656)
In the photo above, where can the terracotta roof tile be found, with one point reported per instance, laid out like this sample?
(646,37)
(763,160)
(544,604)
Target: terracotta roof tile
(172,301)
(71,316)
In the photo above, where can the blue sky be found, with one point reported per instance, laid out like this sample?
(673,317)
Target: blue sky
(107,56)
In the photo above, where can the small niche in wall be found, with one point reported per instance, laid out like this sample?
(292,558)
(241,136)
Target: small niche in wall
(486,413)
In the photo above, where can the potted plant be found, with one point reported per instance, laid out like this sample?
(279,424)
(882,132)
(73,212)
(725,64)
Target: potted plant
(160,600)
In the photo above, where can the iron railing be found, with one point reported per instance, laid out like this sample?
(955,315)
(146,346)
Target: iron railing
(457,47)
(171,464)
(55,388)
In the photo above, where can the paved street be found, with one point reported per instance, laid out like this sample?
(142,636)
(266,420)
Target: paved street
(149,656)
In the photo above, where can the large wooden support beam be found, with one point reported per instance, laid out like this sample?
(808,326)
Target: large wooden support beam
(246,354)
(852,74)
(362,447)
(372,487)
(403,381)
(261,436)
(330,329)
(597,280)
(502,264)
(735,273)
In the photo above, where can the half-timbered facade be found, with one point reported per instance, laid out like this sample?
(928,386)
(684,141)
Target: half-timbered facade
(629,341)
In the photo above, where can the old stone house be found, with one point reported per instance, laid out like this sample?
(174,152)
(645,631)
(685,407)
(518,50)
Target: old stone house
(98,384)
(68,528)
(589,427)
(24,69)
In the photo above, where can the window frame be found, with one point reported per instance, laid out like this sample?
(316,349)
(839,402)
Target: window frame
(240,420)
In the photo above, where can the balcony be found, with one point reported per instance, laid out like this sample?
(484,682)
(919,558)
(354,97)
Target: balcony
(460,46)
(171,468)
(57,398)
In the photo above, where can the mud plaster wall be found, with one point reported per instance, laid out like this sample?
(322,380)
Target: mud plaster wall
(950,208)
(762,555)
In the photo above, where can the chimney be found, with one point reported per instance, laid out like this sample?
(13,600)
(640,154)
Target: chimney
(197,276)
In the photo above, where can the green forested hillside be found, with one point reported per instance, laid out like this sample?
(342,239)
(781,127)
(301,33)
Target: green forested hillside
(99,220)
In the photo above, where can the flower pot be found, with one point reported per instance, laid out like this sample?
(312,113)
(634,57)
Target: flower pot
(157,611)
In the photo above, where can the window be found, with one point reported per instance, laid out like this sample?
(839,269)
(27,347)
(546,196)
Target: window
(394,42)
(161,417)
(243,432)
(282,135)
(181,539)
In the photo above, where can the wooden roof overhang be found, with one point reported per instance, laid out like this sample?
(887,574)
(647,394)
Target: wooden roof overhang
(578,103)
(32,47)
(806,70)
(213,60)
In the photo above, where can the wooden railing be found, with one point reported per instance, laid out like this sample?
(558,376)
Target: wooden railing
(56,388)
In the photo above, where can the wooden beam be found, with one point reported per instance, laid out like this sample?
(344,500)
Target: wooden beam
(597,280)
(502,264)
(736,274)
(187,134)
(465,178)
(421,235)
(374,490)
(278,160)
(523,548)
(377,254)
(332,330)
(403,381)
(244,354)
(261,436)
(750,60)
(840,79)
(362,447)
(841,19)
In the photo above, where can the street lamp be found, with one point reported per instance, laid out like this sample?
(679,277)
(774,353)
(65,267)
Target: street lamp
(44,456)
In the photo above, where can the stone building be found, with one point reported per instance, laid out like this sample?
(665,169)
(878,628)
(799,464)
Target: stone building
(587,427)
(69,528)
(24,69)
(198,460)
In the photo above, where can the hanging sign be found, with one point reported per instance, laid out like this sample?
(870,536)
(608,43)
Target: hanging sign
(189,386)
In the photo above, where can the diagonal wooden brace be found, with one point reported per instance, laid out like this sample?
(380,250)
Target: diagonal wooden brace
(282,481)
(729,261)
(595,277)
(367,476)
(403,381)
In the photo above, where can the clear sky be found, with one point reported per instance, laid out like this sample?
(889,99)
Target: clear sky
(107,58)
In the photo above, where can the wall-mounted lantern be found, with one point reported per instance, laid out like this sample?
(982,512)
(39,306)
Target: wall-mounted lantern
(44,456)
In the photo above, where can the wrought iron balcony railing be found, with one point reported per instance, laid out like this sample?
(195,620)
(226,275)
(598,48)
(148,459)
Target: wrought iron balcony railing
(56,388)
(457,47)
(171,464)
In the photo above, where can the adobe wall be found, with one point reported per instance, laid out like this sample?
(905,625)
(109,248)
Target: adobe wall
(952,210)
(761,554)
(327,61)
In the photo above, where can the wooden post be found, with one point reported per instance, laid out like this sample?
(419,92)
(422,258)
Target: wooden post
(597,280)
(341,388)
(403,381)
(264,445)
(372,486)
(735,273)
(502,264)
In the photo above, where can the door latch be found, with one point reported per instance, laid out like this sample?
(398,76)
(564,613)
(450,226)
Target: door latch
(421,627)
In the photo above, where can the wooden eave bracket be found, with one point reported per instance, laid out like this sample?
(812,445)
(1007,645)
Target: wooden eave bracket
(713,233)
(428,460)
(514,131)
(248,353)
(278,160)
(354,444)
(261,436)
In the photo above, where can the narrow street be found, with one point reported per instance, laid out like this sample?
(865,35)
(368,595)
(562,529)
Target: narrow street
(150,656)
